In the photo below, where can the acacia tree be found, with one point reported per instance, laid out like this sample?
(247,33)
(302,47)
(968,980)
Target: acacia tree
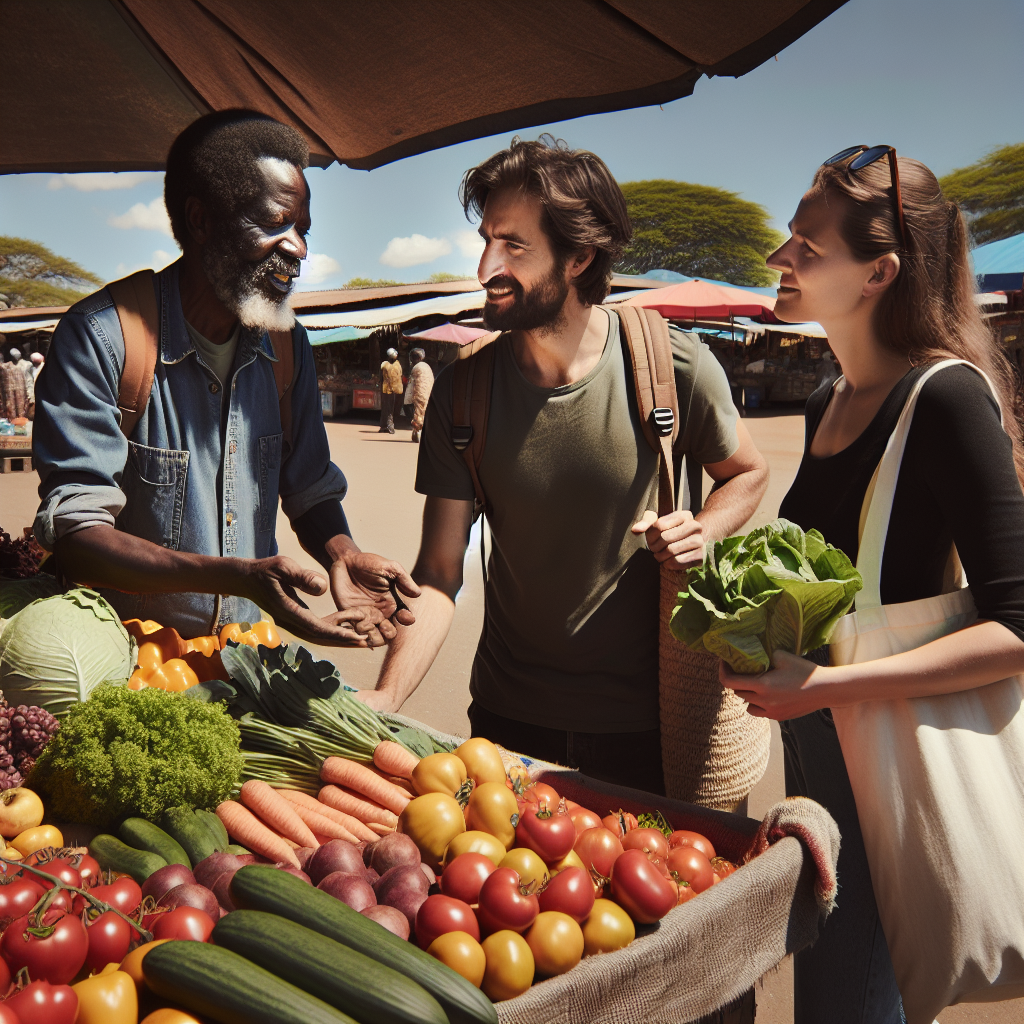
(699,231)
(991,194)
(32,275)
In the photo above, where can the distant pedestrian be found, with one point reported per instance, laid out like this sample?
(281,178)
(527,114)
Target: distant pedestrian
(390,391)
(37,363)
(421,383)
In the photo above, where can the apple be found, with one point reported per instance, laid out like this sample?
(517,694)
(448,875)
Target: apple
(20,809)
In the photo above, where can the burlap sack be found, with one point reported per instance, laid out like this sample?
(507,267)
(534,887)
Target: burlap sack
(713,753)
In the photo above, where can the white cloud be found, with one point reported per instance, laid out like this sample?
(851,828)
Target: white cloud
(408,252)
(470,244)
(319,268)
(149,216)
(158,261)
(102,181)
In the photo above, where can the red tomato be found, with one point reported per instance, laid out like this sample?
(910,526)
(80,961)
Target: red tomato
(598,848)
(572,892)
(439,915)
(540,794)
(184,923)
(43,1003)
(504,905)
(90,871)
(18,897)
(619,822)
(688,864)
(722,868)
(650,840)
(5,976)
(682,837)
(546,830)
(57,958)
(583,819)
(640,889)
(59,868)
(686,893)
(8,1016)
(463,877)
(124,894)
(109,939)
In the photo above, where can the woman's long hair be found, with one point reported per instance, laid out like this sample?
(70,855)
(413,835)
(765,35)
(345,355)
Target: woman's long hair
(928,312)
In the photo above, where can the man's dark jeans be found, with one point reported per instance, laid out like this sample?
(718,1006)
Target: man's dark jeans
(631,759)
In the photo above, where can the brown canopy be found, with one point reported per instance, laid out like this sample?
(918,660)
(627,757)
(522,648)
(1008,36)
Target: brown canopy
(104,85)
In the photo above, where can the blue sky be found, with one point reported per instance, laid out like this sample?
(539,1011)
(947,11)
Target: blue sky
(940,80)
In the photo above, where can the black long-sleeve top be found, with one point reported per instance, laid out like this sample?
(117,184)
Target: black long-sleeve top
(957,483)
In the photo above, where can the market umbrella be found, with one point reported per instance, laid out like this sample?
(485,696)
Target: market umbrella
(105,85)
(449,332)
(697,300)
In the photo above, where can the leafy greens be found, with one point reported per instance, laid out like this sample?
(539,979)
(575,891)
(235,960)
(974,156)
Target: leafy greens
(776,589)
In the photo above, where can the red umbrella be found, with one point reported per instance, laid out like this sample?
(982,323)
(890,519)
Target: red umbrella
(449,332)
(697,300)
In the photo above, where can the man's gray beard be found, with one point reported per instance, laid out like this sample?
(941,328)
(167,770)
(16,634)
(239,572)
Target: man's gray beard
(233,283)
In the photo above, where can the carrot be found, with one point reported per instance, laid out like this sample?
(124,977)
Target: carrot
(277,812)
(343,772)
(251,833)
(393,759)
(403,784)
(321,825)
(346,821)
(381,830)
(368,813)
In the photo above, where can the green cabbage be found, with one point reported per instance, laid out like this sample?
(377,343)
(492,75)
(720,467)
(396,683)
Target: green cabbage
(57,650)
(16,594)
(777,589)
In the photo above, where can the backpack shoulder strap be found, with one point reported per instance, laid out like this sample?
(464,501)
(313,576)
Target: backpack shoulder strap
(135,300)
(283,344)
(650,352)
(472,376)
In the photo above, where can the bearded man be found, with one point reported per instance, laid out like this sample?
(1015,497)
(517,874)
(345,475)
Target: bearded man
(567,665)
(176,522)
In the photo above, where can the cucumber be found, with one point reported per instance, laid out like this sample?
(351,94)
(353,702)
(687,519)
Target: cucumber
(190,832)
(113,855)
(144,835)
(216,828)
(225,987)
(259,887)
(337,974)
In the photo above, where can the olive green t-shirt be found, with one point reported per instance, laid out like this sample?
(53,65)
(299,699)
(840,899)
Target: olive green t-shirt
(570,637)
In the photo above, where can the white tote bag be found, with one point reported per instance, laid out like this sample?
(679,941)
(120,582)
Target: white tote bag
(939,786)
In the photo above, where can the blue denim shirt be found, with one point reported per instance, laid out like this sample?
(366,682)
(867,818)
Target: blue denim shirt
(197,474)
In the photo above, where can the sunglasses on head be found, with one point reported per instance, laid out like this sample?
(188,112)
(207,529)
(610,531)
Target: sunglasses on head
(862,157)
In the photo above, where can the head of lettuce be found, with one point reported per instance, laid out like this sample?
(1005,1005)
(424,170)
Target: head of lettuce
(777,588)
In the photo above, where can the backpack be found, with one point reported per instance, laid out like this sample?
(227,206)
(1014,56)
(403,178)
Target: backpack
(650,351)
(135,299)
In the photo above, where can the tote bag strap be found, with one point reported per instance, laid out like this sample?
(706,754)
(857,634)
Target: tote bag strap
(880,497)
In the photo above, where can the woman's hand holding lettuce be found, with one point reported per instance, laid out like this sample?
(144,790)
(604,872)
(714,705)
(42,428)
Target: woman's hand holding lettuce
(776,589)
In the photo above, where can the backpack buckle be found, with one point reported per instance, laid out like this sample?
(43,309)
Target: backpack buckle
(461,436)
(662,421)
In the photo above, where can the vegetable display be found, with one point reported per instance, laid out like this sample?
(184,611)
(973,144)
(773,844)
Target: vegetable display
(138,753)
(776,589)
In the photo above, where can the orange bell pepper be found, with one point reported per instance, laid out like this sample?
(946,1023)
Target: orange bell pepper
(175,675)
(205,645)
(252,634)
(107,998)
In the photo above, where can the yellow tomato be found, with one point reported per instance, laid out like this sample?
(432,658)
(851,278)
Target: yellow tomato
(531,869)
(493,808)
(168,1015)
(432,821)
(38,838)
(510,966)
(439,773)
(462,953)
(10,853)
(570,860)
(132,963)
(475,842)
(107,998)
(482,760)
(556,942)
(252,634)
(608,928)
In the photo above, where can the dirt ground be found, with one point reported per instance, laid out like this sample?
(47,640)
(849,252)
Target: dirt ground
(385,512)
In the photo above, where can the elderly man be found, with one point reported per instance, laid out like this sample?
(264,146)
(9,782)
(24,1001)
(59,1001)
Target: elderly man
(421,383)
(176,521)
(391,391)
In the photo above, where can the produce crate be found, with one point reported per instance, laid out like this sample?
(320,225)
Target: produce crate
(701,961)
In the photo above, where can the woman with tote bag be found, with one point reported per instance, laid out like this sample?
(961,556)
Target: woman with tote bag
(911,729)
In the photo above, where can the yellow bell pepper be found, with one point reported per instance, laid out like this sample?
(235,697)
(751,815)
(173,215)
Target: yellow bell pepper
(107,998)
(251,634)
